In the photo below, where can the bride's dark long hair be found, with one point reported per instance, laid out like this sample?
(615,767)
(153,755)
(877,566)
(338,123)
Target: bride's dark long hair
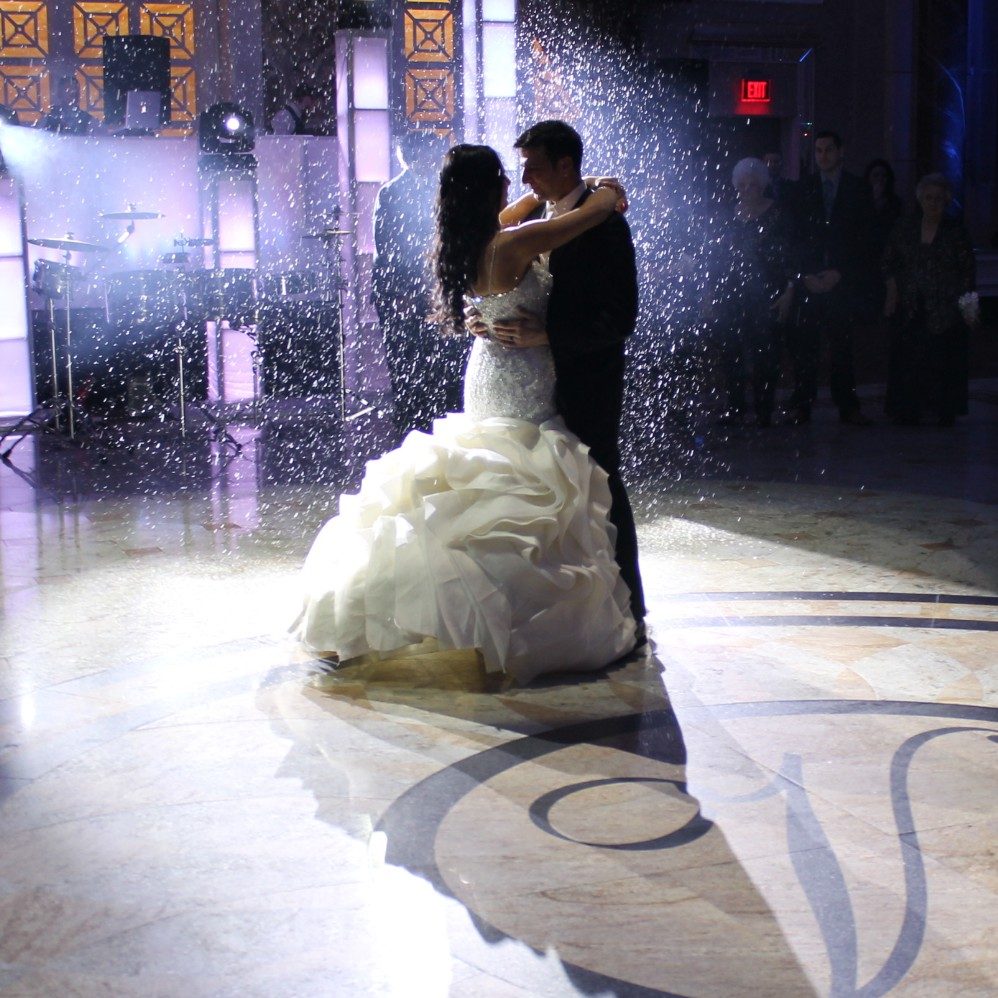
(467,213)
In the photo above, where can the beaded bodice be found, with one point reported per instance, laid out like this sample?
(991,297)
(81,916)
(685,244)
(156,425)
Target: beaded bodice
(503,381)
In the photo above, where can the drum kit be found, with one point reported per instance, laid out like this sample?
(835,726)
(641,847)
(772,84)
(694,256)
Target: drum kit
(169,303)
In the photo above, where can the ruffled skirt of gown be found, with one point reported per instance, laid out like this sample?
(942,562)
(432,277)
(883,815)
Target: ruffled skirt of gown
(488,534)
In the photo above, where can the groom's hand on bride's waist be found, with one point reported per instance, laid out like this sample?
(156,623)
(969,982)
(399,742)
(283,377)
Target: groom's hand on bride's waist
(520,330)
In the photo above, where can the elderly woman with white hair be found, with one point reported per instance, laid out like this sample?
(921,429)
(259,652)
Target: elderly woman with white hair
(929,268)
(753,294)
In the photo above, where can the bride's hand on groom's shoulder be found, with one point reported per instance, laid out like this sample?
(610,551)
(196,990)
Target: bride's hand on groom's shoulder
(615,185)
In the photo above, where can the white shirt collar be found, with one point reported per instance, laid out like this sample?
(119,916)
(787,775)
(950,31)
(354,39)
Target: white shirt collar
(567,203)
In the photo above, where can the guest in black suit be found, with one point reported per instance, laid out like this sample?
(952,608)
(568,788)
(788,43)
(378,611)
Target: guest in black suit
(424,369)
(592,311)
(832,214)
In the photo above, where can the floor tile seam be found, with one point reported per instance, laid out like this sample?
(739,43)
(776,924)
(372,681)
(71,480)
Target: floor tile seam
(53,689)
(776,775)
(424,720)
(943,825)
(93,694)
(186,910)
(512,892)
(893,834)
(734,860)
(148,727)
(924,517)
(857,621)
(810,793)
(141,808)
(760,611)
(497,973)
(664,486)
(981,598)
(945,859)
(102,731)
(931,865)
(141,667)
(734,709)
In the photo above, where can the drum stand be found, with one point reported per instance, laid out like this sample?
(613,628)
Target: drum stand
(251,332)
(48,417)
(218,431)
(333,286)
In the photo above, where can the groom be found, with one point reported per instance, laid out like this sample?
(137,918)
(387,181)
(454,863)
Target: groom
(592,310)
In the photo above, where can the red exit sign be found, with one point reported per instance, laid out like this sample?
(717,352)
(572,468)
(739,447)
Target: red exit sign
(756,91)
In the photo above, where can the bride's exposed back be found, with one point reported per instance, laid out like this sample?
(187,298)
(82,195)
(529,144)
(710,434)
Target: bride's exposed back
(491,532)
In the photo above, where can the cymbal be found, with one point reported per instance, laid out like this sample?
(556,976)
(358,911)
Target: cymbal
(326,234)
(129,216)
(183,241)
(73,245)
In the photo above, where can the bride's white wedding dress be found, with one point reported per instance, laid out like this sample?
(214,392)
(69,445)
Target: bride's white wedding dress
(489,533)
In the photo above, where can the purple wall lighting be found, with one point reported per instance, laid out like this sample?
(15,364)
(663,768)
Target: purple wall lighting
(15,369)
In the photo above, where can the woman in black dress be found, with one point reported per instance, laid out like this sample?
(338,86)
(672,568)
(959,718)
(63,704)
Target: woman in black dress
(929,266)
(887,211)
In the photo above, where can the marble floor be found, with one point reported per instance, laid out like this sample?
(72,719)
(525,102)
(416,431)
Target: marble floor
(793,793)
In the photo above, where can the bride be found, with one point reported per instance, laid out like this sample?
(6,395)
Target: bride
(491,532)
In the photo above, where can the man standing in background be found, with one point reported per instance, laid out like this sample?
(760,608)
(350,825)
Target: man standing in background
(832,215)
(424,368)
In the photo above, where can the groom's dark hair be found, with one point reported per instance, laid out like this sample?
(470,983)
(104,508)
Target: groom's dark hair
(557,138)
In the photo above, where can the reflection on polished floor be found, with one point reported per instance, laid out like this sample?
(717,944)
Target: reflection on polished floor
(793,795)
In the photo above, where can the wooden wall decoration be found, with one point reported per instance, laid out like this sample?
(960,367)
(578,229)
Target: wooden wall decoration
(24,46)
(26,27)
(426,74)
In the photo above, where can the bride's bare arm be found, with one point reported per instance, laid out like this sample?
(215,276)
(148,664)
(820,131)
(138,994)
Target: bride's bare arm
(520,210)
(530,239)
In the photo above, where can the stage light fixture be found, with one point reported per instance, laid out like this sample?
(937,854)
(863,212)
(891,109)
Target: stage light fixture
(226,129)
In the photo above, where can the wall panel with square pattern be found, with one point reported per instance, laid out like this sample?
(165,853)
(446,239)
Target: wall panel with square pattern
(24,45)
(426,65)
(26,53)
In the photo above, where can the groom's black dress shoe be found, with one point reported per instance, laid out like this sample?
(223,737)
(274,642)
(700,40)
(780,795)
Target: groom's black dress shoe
(326,662)
(637,650)
(640,636)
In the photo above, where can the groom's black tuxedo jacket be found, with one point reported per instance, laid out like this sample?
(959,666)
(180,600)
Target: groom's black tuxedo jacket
(592,310)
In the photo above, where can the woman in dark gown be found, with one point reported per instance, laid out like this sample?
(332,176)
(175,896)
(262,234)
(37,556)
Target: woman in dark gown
(929,266)
(887,206)
(887,211)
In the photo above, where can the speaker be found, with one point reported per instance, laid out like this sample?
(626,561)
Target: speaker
(299,350)
(113,362)
(135,62)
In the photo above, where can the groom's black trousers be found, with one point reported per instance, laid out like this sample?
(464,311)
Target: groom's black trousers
(589,397)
